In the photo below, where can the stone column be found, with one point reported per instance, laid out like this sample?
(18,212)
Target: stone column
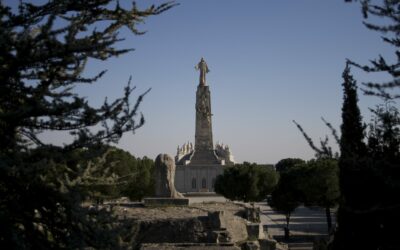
(203,135)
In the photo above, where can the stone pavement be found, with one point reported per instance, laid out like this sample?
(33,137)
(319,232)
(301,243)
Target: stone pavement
(305,225)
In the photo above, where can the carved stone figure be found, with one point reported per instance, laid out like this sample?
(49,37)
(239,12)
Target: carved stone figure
(203,108)
(202,66)
(164,175)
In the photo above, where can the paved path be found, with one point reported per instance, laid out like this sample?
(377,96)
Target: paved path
(305,224)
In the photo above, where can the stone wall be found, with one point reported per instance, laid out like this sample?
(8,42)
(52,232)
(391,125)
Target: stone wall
(185,176)
(219,228)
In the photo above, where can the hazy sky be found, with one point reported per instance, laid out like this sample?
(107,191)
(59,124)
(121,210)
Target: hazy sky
(271,62)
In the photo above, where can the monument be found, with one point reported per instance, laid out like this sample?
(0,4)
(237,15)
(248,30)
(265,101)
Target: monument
(198,166)
(165,193)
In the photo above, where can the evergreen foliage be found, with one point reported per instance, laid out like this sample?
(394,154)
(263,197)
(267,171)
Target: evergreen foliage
(369,167)
(287,163)
(246,182)
(286,196)
(312,183)
(319,185)
(121,174)
(324,151)
(141,183)
(354,176)
(388,11)
(43,53)
(352,129)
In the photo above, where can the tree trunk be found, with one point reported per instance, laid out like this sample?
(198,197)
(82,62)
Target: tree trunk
(287,231)
(328,218)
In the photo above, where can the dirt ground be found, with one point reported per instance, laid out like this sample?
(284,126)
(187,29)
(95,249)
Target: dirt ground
(139,212)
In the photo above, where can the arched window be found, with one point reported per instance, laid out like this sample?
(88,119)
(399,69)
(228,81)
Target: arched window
(193,183)
(204,183)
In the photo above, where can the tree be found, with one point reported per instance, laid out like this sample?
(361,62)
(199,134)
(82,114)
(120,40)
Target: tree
(246,182)
(324,151)
(287,163)
(320,177)
(370,177)
(384,132)
(320,185)
(43,53)
(352,128)
(286,196)
(352,160)
(122,175)
(141,182)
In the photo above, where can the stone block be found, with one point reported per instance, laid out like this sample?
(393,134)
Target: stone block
(267,244)
(251,245)
(219,237)
(252,213)
(255,231)
(217,220)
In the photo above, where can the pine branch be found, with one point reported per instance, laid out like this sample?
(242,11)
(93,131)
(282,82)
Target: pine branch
(308,139)
(333,131)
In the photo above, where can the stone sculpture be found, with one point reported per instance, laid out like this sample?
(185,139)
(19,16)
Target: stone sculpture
(202,66)
(164,175)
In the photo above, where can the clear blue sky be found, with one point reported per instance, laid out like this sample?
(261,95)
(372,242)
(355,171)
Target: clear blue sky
(271,62)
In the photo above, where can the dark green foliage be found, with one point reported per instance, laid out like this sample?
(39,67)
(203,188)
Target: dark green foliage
(286,196)
(313,183)
(43,53)
(354,174)
(141,183)
(121,174)
(288,163)
(44,50)
(41,201)
(370,185)
(384,133)
(370,176)
(246,182)
(320,185)
(352,129)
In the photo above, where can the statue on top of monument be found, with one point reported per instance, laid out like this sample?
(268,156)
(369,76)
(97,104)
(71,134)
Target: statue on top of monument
(202,66)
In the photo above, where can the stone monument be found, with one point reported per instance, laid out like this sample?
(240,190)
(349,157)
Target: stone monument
(165,192)
(164,175)
(198,166)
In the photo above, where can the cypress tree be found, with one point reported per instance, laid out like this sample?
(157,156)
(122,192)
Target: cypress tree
(352,129)
(370,175)
(352,182)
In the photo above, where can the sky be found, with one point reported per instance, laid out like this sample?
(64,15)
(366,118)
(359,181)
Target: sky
(270,62)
